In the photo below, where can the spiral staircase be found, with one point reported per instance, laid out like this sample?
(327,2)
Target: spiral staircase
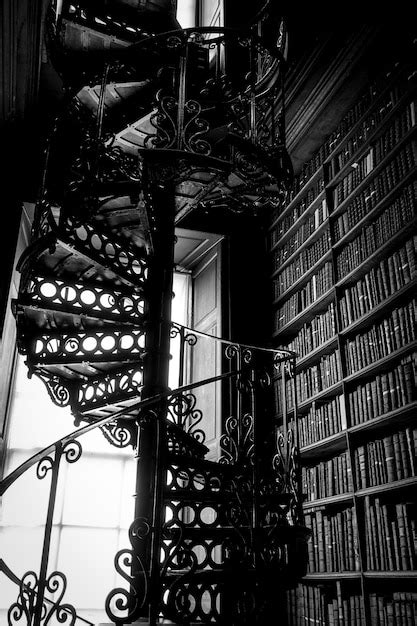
(159,129)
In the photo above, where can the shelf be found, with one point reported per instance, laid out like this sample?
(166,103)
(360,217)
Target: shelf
(329,444)
(293,229)
(326,393)
(297,198)
(392,417)
(374,135)
(310,240)
(338,441)
(394,486)
(330,576)
(315,354)
(322,502)
(303,279)
(380,308)
(380,253)
(370,217)
(376,365)
(334,390)
(337,149)
(373,105)
(375,171)
(389,574)
(297,322)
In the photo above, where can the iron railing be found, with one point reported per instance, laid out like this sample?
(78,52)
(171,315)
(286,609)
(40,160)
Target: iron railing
(250,374)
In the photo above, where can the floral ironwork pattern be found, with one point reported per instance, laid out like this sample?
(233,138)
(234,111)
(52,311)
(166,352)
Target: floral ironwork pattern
(22,612)
(122,605)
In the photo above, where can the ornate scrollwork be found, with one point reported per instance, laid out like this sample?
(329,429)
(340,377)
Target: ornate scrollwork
(114,387)
(182,412)
(120,434)
(51,347)
(76,298)
(25,603)
(45,465)
(24,607)
(124,259)
(237,443)
(168,135)
(58,390)
(122,605)
(181,331)
(287,470)
(72,451)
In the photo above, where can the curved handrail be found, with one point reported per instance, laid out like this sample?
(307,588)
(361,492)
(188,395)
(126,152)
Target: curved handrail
(6,482)
(281,355)
(278,351)
(224,34)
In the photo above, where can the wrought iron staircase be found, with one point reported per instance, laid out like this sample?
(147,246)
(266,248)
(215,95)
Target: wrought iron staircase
(212,540)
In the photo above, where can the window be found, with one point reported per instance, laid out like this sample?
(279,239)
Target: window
(95,500)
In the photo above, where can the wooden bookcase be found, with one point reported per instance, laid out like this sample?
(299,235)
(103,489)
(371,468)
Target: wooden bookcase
(344,276)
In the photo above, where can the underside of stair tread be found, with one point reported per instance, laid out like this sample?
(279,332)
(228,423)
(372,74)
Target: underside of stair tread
(198,495)
(45,317)
(219,468)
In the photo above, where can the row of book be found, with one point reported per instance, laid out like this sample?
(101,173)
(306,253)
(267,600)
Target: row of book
(396,523)
(334,545)
(353,178)
(389,276)
(307,604)
(386,459)
(400,609)
(371,121)
(385,392)
(311,193)
(377,91)
(321,421)
(304,261)
(327,478)
(386,103)
(306,229)
(392,333)
(392,220)
(318,377)
(317,286)
(377,189)
(400,125)
(365,129)
(313,334)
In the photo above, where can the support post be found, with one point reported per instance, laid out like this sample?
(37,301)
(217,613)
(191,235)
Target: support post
(151,427)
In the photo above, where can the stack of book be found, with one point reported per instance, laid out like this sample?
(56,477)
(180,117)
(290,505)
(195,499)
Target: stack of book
(396,523)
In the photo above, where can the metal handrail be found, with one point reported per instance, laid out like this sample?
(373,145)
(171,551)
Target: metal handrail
(287,354)
(281,355)
(13,476)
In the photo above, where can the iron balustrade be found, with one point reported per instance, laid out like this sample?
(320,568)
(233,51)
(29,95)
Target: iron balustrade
(251,370)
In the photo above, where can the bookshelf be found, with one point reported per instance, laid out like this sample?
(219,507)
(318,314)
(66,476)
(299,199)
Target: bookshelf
(344,277)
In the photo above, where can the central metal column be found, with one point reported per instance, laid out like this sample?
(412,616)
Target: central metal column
(160,193)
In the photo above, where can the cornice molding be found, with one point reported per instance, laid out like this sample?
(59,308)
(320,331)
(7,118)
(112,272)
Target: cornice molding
(327,84)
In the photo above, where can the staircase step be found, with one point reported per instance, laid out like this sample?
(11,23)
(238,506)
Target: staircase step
(53,255)
(51,303)
(181,461)
(115,390)
(193,495)
(100,346)
(106,250)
